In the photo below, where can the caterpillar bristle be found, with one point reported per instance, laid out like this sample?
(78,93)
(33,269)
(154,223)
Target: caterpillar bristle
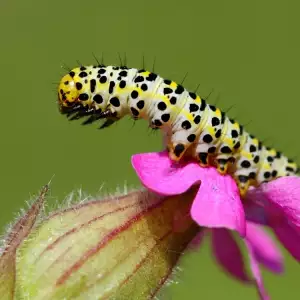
(248,123)
(96,59)
(90,120)
(120,59)
(133,124)
(97,116)
(196,90)
(218,99)
(106,124)
(125,59)
(79,63)
(143,62)
(229,108)
(206,98)
(184,78)
(80,114)
(65,67)
(75,116)
(153,65)
(194,127)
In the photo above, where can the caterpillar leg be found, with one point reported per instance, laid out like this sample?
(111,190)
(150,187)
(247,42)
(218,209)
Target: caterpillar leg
(203,159)
(223,165)
(202,154)
(176,151)
(224,162)
(179,143)
(243,184)
(244,179)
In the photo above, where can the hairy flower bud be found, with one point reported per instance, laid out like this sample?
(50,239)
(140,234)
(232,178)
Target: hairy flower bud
(119,248)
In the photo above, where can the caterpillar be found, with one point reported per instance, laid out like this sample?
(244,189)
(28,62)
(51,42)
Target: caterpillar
(192,127)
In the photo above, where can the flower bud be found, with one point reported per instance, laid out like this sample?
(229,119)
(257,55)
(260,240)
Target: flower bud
(119,248)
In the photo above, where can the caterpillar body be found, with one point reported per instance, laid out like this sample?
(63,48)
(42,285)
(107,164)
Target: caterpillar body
(192,127)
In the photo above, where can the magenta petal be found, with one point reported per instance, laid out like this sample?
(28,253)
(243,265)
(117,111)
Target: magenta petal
(256,272)
(285,193)
(264,249)
(158,174)
(218,204)
(254,206)
(289,236)
(228,254)
(274,215)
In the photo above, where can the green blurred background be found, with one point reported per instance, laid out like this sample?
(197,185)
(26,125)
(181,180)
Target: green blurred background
(247,51)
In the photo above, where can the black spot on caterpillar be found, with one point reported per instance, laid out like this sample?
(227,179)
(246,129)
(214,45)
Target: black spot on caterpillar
(192,126)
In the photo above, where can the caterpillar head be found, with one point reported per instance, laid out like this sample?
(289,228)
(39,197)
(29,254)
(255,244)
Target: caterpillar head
(68,95)
(72,105)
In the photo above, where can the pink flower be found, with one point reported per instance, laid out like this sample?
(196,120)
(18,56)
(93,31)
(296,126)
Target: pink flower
(217,203)
(218,207)
(261,251)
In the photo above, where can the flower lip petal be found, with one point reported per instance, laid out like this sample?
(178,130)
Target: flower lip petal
(158,174)
(228,254)
(264,249)
(218,204)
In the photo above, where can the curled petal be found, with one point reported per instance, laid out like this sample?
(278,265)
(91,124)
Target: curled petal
(256,272)
(218,204)
(228,254)
(264,249)
(158,174)
(289,236)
